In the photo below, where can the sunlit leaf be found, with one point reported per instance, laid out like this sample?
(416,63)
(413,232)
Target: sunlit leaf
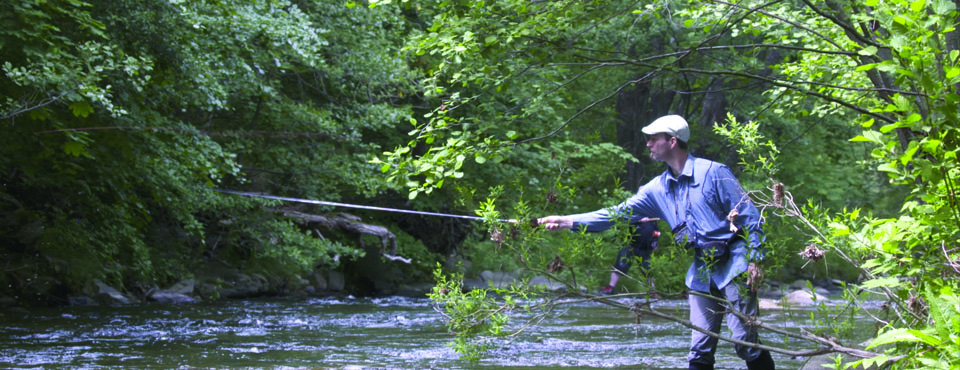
(883,282)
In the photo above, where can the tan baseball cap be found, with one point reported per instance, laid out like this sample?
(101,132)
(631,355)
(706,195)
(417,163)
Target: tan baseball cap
(672,125)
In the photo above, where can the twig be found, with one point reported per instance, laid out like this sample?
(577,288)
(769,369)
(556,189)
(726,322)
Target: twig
(41,104)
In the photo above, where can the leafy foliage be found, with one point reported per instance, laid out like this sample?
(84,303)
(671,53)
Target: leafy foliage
(812,74)
(120,117)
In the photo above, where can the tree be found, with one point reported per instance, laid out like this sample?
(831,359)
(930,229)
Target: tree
(121,116)
(797,67)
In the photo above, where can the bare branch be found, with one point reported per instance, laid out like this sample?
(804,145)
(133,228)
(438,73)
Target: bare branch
(847,27)
(199,132)
(790,85)
(792,23)
(46,101)
(588,107)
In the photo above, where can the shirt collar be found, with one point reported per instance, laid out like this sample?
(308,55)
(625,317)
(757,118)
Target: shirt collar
(688,171)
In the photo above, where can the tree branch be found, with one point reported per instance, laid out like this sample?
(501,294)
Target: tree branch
(41,104)
(787,21)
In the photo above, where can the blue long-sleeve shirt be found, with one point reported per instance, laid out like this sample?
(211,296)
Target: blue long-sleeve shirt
(702,196)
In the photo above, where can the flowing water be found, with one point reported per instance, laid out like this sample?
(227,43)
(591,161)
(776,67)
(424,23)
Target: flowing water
(344,333)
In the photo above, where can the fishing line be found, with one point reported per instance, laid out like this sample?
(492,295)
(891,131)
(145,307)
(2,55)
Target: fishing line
(347,205)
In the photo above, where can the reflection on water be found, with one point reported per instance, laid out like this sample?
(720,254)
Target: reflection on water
(342,333)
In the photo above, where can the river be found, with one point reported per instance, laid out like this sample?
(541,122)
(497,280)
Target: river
(343,333)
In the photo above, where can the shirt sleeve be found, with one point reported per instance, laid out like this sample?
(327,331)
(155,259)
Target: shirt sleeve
(732,196)
(637,206)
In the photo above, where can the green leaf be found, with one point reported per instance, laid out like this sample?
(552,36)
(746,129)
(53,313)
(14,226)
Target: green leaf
(925,338)
(888,167)
(893,336)
(944,309)
(943,7)
(75,149)
(871,136)
(868,51)
(480,159)
(901,21)
(908,155)
(870,263)
(931,145)
(839,229)
(385,168)
(81,109)
(887,282)
(888,66)
(917,6)
(871,2)
(951,71)
(870,363)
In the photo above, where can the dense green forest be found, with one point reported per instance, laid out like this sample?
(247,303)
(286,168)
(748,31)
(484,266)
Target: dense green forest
(121,120)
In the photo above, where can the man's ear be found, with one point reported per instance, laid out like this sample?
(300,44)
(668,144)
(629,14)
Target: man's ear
(673,142)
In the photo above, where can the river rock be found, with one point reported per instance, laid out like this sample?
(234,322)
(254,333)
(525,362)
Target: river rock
(547,284)
(415,290)
(166,296)
(240,285)
(769,304)
(335,281)
(498,279)
(181,292)
(81,300)
(798,284)
(471,284)
(802,298)
(110,295)
(216,279)
(319,281)
(184,287)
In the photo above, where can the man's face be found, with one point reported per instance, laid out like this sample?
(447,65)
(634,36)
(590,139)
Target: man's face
(660,145)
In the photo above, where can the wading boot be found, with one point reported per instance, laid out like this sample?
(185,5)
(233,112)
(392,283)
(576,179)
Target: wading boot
(763,362)
(700,366)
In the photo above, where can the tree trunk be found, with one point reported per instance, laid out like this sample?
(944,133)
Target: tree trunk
(636,108)
(714,108)
(351,224)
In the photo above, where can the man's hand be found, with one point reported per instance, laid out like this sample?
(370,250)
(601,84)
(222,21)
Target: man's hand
(554,223)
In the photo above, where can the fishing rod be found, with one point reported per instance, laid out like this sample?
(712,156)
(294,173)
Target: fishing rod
(348,205)
(373,208)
